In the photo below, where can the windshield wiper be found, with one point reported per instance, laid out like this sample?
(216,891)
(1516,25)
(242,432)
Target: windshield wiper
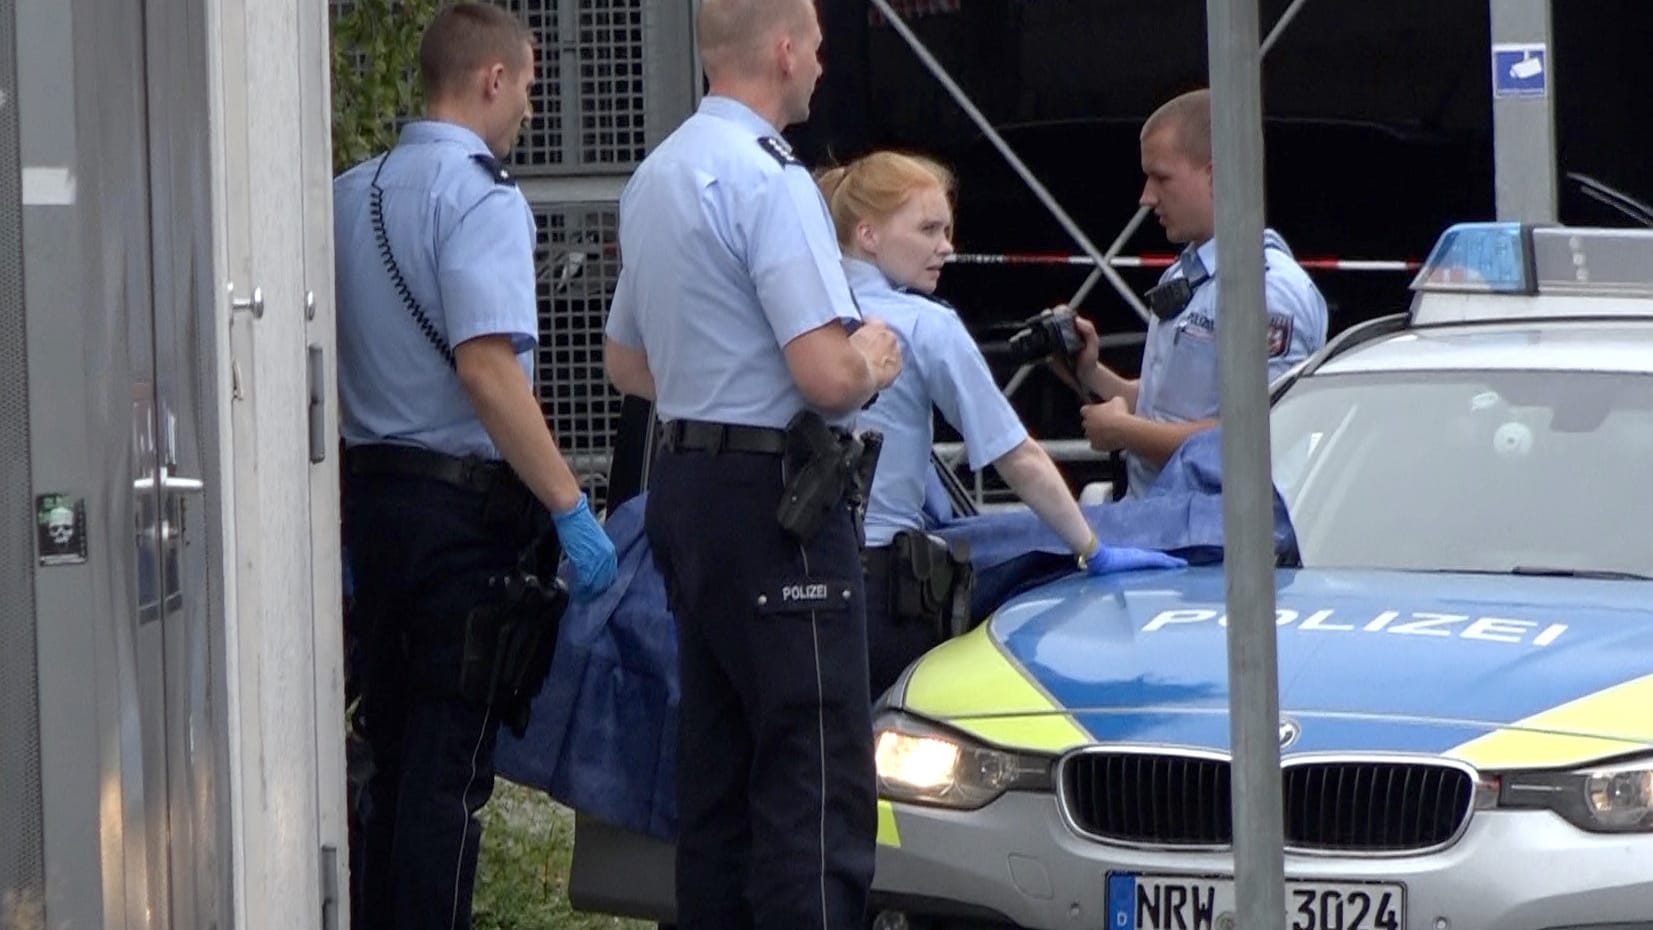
(1547,571)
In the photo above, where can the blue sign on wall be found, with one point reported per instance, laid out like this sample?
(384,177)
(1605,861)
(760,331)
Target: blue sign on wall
(1520,70)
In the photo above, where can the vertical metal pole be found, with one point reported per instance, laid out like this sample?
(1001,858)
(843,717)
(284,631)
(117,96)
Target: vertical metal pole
(1523,111)
(1248,547)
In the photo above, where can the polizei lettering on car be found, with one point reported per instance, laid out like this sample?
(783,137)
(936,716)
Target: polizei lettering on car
(1388,622)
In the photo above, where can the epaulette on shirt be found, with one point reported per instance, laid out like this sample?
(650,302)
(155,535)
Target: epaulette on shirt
(779,150)
(495,168)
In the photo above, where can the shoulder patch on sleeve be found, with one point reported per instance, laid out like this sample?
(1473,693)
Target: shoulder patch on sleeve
(779,150)
(495,169)
(1279,334)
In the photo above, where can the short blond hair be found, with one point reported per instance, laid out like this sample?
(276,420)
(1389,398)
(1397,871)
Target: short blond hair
(874,186)
(1190,116)
(730,33)
(466,37)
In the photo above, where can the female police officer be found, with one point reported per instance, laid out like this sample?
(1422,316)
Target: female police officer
(728,313)
(894,222)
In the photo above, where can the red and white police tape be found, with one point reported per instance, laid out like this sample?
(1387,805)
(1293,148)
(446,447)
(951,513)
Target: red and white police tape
(1314,263)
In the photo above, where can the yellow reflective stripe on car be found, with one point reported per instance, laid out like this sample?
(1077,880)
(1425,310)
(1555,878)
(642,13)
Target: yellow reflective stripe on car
(970,683)
(1554,737)
(888,833)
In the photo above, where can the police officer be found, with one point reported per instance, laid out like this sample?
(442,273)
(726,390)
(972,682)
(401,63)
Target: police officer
(1177,393)
(728,313)
(894,217)
(449,465)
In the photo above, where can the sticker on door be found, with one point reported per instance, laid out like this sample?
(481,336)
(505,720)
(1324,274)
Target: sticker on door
(60,522)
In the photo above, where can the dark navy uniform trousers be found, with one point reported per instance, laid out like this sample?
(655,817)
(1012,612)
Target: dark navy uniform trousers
(421,557)
(893,643)
(775,785)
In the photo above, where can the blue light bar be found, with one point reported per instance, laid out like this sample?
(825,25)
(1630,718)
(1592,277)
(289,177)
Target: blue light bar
(1480,258)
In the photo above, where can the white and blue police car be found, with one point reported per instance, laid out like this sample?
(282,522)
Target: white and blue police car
(1465,649)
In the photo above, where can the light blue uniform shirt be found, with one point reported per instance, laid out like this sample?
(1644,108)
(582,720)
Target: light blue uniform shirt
(729,254)
(1179,363)
(941,368)
(464,243)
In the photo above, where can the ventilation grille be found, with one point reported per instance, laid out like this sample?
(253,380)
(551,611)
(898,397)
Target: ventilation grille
(1173,800)
(590,109)
(578,265)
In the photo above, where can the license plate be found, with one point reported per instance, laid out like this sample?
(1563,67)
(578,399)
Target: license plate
(1142,901)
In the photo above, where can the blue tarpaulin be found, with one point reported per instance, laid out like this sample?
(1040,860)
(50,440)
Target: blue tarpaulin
(603,730)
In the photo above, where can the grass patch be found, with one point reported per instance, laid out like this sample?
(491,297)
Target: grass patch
(522,876)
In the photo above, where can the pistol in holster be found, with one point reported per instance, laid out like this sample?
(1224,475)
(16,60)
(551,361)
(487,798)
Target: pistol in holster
(822,469)
(509,644)
(931,581)
(860,488)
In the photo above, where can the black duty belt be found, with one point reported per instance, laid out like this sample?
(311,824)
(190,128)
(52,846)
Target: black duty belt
(471,472)
(705,436)
(877,560)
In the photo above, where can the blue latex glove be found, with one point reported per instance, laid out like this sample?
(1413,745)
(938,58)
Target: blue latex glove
(1108,559)
(588,548)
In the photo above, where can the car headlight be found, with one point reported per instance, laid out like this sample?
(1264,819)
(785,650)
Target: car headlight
(1602,799)
(923,763)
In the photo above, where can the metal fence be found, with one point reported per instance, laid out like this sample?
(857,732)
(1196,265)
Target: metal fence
(590,105)
(578,265)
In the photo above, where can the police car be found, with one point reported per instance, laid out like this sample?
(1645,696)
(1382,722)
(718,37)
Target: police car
(1465,649)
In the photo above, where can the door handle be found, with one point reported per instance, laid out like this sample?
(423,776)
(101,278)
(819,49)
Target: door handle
(169,482)
(173,485)
(317,380)
(253,305)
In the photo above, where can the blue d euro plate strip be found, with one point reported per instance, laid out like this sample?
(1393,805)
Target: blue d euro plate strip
(1121,901)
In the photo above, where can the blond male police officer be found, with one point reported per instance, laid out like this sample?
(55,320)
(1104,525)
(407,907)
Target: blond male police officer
(1177,393)
(729,314)
(449,466)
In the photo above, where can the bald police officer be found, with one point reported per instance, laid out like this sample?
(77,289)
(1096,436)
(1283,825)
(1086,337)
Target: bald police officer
(450,468)
(729,313)
(1177,394)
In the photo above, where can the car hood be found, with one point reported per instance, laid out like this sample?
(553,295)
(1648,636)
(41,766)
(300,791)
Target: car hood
(1494,670)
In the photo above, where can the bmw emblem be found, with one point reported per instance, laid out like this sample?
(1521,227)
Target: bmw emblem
(1289,731)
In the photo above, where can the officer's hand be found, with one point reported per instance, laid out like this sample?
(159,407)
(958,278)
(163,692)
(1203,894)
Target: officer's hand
(588,548)
(1105,424)
(1108,559)
(1091,353)
(1074,370)
(882,350)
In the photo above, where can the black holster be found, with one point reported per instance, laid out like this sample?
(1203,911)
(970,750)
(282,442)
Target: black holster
(821,470)
(931,582)
(509,644)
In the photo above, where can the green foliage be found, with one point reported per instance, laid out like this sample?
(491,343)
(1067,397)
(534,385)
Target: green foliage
(375,59)
(522,873)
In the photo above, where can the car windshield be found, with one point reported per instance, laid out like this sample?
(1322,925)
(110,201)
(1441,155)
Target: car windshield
(1488,471)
